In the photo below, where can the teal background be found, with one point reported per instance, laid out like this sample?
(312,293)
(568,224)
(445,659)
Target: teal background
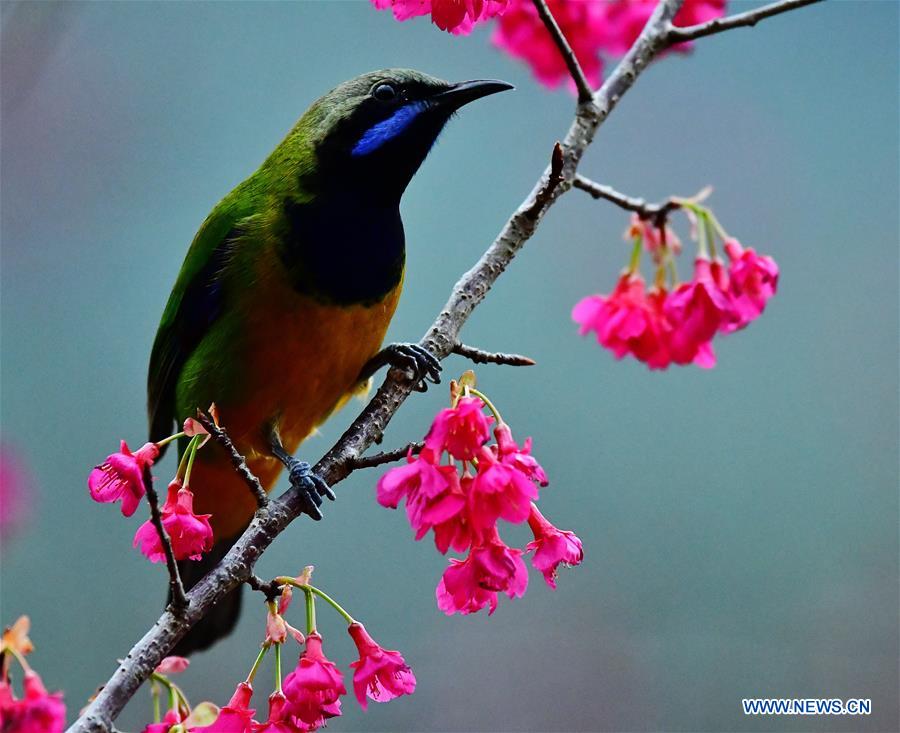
(740,524)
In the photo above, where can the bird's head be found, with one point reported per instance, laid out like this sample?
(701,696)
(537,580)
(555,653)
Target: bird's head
(377,129)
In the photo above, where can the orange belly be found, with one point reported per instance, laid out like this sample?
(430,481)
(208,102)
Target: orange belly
(288,361)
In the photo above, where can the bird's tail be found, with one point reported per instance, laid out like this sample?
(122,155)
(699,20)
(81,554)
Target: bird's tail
(223,617)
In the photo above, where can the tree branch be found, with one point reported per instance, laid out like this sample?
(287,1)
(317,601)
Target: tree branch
(657,213)
(179,601)
(479,356)
(388,456)
(585,91)
(740,20)
(237,460)
(441,338)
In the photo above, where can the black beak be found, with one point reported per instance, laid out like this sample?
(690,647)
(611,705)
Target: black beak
(468,91)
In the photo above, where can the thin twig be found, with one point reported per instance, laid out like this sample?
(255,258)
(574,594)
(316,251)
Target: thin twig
(179,601)
(388,456)
(478,356)
(237,565)
(657,213)
(238,461)
(585,92)
(750,18)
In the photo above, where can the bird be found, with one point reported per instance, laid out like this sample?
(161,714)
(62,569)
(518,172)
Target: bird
(285,295)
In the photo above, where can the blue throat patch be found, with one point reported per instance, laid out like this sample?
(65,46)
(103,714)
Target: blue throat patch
(388,129)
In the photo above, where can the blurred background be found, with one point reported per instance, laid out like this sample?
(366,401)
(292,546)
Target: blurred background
(740,525)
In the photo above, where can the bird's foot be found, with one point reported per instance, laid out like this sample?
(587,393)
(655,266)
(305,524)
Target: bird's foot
(311,486)
(424,366)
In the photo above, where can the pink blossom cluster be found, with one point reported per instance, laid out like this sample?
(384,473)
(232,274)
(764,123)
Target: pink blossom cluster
(37,711)
(593,28)
(661,326)
(309,695)
(121,478)
(455,16)
(462,500)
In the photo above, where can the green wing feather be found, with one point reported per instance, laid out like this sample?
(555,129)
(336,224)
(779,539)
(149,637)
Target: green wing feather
(195,303)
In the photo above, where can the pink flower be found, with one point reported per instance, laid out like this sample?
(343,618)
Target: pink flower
(461,430)
(173,665)
(236,716)
(15,490)
(277,629)
(469,585)
(313,689)
(552,547)
(380,673)
(121,477)
(625,19)
(499,491)
(433,494)
(627,321)
(279,720)
(652,238)
(521,459)
(190,534)
(752,280)
(171,718)
(38,712)
(521,33)
(456,16)
(695,311)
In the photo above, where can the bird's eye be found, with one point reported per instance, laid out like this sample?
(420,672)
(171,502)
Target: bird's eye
(384,92)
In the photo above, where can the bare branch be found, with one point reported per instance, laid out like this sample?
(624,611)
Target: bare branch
(750,18)
(179,601)
(388,456)
(585,92)
(491,357)
(657,213)
(238,461)
(441,338)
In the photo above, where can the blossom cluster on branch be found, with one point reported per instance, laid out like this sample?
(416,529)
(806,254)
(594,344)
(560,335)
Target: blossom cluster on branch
(37,711)
(594,28)
(121,477)
(459,487)
(306,697)
(674,322)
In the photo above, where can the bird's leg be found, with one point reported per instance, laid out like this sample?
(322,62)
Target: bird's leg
(310,485)
(425,367)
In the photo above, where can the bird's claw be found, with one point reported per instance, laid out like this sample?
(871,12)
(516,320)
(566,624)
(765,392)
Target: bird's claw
(312,486)
(424,365)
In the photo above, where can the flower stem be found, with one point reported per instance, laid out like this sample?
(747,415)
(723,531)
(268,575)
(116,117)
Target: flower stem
(166,441)
(154,694)
(719,228)
(310,611)
(192,450)
(182,464)
(278,668)
(255,668)
(20,658)
(673,270)
(710,232)
(309,590)
(635,262)
(490,405)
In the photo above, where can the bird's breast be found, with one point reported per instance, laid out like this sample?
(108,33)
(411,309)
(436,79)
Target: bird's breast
(343,248)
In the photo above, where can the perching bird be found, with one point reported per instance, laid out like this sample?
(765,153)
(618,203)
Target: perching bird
(286,292)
